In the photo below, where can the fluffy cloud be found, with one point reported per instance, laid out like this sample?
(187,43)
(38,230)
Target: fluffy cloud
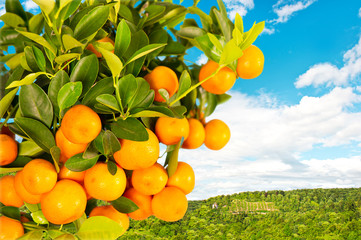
(238,6)
(30,6)
(285,9)
(268,140)
(202,59)
(331,75)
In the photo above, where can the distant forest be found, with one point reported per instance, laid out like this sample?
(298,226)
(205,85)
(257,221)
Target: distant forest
(298,214)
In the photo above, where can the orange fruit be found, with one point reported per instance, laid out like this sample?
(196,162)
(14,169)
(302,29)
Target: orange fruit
(8,195)
(92,48)
(196,135)
(6,130)
(68,174)
(138,154)
(67,148)
(142,201)
(10,228)
(170,204)
(100,184)
(81,124)
(217,134)
(183,178)
(8,149)
(111,213)
(162,77)
(65,203)
(219,83)
(250,65)
(151,180)
(39,176)
(171,130)
(24,194)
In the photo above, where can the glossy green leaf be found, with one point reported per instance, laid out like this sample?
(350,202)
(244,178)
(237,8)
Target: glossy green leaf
(66,57)
(110,143)
(231,52)
(38,39)
(112,167)
(91,22)
(224,24)
(33,235)
(122,39)
(140,95)
(172,159)
(99,227)
(201,14)
(37,132)
(55,154)
(29,79)
(154,11)
(36,23)
(5,102)
(78,164)
(109,100)
(144,51)
(29,148)
(205,44)
(39,58)
(60,79)
(157,36)
(12,20)
(19,162)
(104,86)
(114,63)
(69,9)
(4,170)
(178,111)
(252,34)
(164,93)
(66,236)
(222,98)
(139,40)
(34,103)
(215,41)
(28,61)
(69,94)
(130,129)
(124,205)
(14,6)
(32,207)
(86,71)
(238,23)
(39,217)
(190,32)
(54,233)
(211,104)
(46,5)
(11,212)
(127,88)
(184,83)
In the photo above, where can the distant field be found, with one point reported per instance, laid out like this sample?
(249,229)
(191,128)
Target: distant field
(239,206)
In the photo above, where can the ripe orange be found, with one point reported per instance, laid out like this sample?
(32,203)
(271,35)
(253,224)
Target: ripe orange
(100,184)
(171,130)
(170,204)
(217,134)
(183,178)
(67,148)
(162,77)
(68,174)
(142,201)
(24,194)
(219,83)
(151,180)
(8,195)
(136,154)
(39,176)
(92,48)
(10,228)
(8,149)
(250,65)
(65,203)
(111,213)
(81,124)
(196,134)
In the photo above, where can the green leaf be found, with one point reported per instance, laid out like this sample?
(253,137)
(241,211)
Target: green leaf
(164,94)
(237,36)
(190,32)
(19,162)
(139,40)
(110,143)
(154,11)
(66,236)
(178,111)
(122,39)
(29,148)
(63,3)
(104,86)
(222,8)
(252,34)
(172,159)
(37,132)
(114,63)
(39,58)
(231,52)
(86,71)
(130,129)
(91,22)
(142,94)
(144,51)
(90,152)
(184,83)
(12,20)
(14,61)
(124,205)
(127,88)
(39,217)
(38,39)
(98,142)
(78,164)
(66,57)
(14,6)
(29,79)
(112,167)
(9,170)
(238,23)
(109,100)
(34,103)
(46,6)
(215,41)
(33,235)
(36,23)
(205,44)
(54,233)
(222,98)
(30,61)
(70,9)
(158,36)
(5,102)
(60,79)
(32,207)
(224,24)
(55,154)
(211,104)
(152,113)
(69,94)
(201,14)
(11,212)
(99,227)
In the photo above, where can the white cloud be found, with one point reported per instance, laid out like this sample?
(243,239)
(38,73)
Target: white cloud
(268,31)
(268,140)
(202,59)
(238,6)
(359,12)
(30,6)
(331,75)
(285,9)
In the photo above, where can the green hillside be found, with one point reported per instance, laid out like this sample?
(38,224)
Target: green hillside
(297,214)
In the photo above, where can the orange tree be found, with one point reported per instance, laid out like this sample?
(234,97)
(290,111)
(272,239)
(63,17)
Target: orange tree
(92,89)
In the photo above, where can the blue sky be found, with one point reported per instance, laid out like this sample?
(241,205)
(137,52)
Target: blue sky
(298,125)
